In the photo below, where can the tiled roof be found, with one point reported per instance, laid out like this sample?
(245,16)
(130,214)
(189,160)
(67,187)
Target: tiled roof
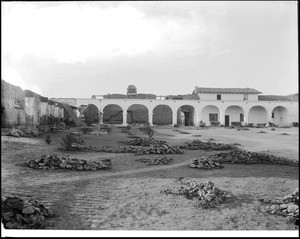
(273,98)
(226,90)
(294,97)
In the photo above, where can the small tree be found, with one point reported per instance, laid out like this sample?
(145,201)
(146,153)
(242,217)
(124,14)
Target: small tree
(48,139)
(149,131)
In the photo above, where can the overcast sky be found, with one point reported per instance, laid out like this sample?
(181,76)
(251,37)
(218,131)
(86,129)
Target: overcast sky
(78,49)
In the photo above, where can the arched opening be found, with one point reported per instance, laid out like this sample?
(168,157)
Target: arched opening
(210,115)
(89,113)
(234,115)
(137,114)
(186,115)
(258,115)
(112,114)
(162,115)
(280,116)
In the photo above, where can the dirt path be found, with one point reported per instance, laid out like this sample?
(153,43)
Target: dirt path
(95,175)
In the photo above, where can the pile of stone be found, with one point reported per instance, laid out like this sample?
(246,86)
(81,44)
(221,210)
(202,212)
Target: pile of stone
(144,142)
(207,194)
(26,132)
(78,140)
(52,162)
(287,206)
(163,149)
(247,157)
(205,163)
(201,145)
(157,160)
(23,213)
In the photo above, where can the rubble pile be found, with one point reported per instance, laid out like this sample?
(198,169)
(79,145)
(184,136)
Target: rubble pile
(23,213)
(78,140)
(287,206)
(25,132)
(163,149)
(144,142)
(52,162)
(205,163)
(155,161)
(247,157)
(209,145)
(206,193)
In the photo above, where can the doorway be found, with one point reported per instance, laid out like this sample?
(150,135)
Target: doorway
(186,118)
(226,120)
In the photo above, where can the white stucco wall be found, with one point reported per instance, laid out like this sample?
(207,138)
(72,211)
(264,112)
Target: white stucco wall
(43,106)
(257,115)
(210,109)
(252,97)
(228,97)
(234,113)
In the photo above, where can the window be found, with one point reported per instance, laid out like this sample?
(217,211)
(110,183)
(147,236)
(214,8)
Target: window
(241,117)
(272,115)
(213,117)
(218,97)
(245,96)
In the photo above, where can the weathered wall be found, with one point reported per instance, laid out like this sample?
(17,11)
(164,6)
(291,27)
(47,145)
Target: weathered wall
(258,115)
(13,101)
(162,115)
(33,111)
(227,97)
(234,113)
(137,114)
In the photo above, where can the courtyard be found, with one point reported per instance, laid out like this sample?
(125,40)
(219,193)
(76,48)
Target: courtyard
(128,196)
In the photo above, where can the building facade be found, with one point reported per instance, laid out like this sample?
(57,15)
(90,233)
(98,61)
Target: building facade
(212,106)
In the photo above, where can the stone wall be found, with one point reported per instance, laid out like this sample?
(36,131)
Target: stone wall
(13,101)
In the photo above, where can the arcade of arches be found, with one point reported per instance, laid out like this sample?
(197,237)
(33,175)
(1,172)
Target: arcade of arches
(185,115)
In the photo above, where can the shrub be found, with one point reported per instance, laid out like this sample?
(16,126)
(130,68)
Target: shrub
(150,131)
(176,125)
(295,124)
(67,141)
(128,127)
(85,130)
(202,124)
(48,139)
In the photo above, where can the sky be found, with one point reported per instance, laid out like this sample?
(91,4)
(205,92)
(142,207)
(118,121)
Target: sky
(80,49)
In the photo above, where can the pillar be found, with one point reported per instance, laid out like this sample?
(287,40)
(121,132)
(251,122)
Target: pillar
(124,117)
(246,116)
(150,118)
(222,117)
(174,121)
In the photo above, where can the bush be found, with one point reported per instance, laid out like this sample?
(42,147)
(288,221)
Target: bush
(48,139)
(176,125)
(150,131)
(295,124)
(202,124)
(128,127)
(67,141)
(86,130)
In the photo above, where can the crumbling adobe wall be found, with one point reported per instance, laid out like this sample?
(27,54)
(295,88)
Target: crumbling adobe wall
(13,101)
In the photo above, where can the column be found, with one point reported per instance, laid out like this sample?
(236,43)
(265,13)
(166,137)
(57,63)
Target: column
(222,117)
(174,119)
(246,116)
(150,118)
(124,117)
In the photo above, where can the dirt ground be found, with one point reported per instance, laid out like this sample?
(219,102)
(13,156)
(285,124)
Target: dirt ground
(128,197)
